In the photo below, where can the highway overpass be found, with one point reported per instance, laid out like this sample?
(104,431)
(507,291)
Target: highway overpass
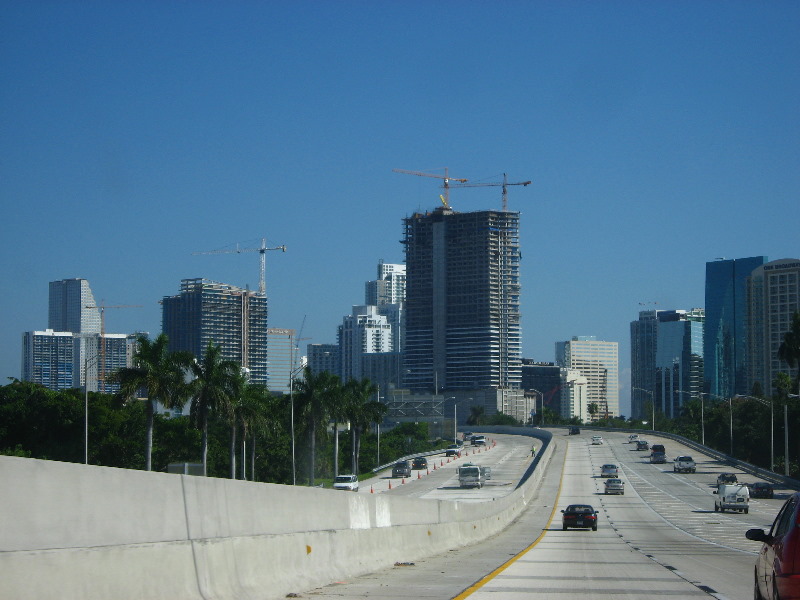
(72,531)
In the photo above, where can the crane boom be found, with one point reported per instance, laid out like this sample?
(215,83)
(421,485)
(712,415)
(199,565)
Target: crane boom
(446,184)
(262,250)
(503,183)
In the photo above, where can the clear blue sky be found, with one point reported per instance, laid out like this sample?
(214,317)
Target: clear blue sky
(658,135)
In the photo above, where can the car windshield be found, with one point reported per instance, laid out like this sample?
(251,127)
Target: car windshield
(609,466)
(344,479)
(684,458)
(580,509)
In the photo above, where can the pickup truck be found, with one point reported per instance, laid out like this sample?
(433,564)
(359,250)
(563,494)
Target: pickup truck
(684,464)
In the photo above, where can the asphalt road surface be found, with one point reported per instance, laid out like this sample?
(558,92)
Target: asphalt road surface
(661,538)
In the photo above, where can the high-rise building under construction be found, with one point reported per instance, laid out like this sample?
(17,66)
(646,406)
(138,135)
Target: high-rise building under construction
(462,302)
(233,317)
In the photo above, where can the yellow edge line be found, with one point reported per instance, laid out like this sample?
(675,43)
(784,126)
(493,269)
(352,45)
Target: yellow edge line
(481,582)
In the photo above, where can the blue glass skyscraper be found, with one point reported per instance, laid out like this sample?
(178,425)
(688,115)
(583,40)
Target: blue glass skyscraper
(725,333)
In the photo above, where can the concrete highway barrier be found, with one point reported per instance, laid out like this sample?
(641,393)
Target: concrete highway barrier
(76,531)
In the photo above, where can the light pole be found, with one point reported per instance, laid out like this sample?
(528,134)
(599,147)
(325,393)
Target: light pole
(292,373)
(541,396)
(652,403)
(771,426)
(86,362)
(455,433)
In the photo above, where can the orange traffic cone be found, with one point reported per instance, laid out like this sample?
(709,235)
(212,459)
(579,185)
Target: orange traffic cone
(371,491)
(403,481)
(419,475)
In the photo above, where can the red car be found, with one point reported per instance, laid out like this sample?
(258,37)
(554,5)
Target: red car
(777,572)
(579,515)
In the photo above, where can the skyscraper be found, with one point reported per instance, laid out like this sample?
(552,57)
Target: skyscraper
(364,332)
(48,358)
(72,307)
(773,298)
(725,351)
(666,360)
(235,318)
(598,362)
(462,301)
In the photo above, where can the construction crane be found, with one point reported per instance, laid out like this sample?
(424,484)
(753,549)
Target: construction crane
(262,250)
(446,185)
(503,183)
(102,367)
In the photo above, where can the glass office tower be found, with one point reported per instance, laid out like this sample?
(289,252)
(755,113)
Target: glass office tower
(725,351)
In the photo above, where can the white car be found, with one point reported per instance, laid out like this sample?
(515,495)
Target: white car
(597,440)
(633,438)
(346,482)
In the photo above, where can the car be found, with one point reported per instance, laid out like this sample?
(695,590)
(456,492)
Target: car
(419,462)
(453,450)
(478,440)
(633,438)
(346,482)
(609,470)
(658,458)
(761,489)
(777,568)
(642,445)
(402,468)
(597,440)
(574,430)
(726,478)
(579,515)
(684,464)
(467,435)
(658,448)
(615,486)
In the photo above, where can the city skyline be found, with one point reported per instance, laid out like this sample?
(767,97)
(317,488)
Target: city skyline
(657,137)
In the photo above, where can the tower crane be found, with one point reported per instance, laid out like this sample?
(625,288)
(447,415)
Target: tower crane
(102,367)
(503,183)
(446,184)
(262,250)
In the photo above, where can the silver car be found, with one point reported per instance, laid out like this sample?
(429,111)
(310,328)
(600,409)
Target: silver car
(609,471)
(615,486)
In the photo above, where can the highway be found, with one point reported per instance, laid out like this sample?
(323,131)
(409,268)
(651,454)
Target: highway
(662,538)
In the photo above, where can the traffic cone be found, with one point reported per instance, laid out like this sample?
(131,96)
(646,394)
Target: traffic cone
(403,481)
(428,471)
(371,491)
(419,475)
(390,484)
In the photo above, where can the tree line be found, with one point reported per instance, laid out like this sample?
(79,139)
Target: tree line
(234,428)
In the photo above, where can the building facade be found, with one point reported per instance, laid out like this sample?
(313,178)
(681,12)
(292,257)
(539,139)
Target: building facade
(462,301)
(363,332)
(48,358)
(666,360)
(72,307)
(598,362)
(324,357)
(208,311)
(725,352)
(678,360)
(773,298)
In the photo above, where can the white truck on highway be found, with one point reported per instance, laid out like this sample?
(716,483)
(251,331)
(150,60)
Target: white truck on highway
(470,475)
(732,496)
(684,464)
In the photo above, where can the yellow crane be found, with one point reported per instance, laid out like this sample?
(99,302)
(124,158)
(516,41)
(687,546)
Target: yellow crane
(101,377)
(503,183)
(446,184)
(262,250)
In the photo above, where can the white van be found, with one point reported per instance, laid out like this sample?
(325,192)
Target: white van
(470,475)
(732,496)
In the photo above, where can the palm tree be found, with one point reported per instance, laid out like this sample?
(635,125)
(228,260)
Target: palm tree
(475,415)
(157,373)
(789,350)
(251,415)
(362,412)
(213,388)
(314,395)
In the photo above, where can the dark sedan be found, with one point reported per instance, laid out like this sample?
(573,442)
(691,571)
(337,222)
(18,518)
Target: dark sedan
(419,463)
(761,489)
(726,478)
(579,515)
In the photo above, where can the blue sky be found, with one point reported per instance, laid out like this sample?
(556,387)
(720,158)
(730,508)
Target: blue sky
(658,135)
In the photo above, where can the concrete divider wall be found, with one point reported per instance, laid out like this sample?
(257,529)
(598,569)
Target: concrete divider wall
(77,531)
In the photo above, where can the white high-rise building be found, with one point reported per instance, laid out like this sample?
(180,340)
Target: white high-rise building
(365,331)
(389,288)
(598,362)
